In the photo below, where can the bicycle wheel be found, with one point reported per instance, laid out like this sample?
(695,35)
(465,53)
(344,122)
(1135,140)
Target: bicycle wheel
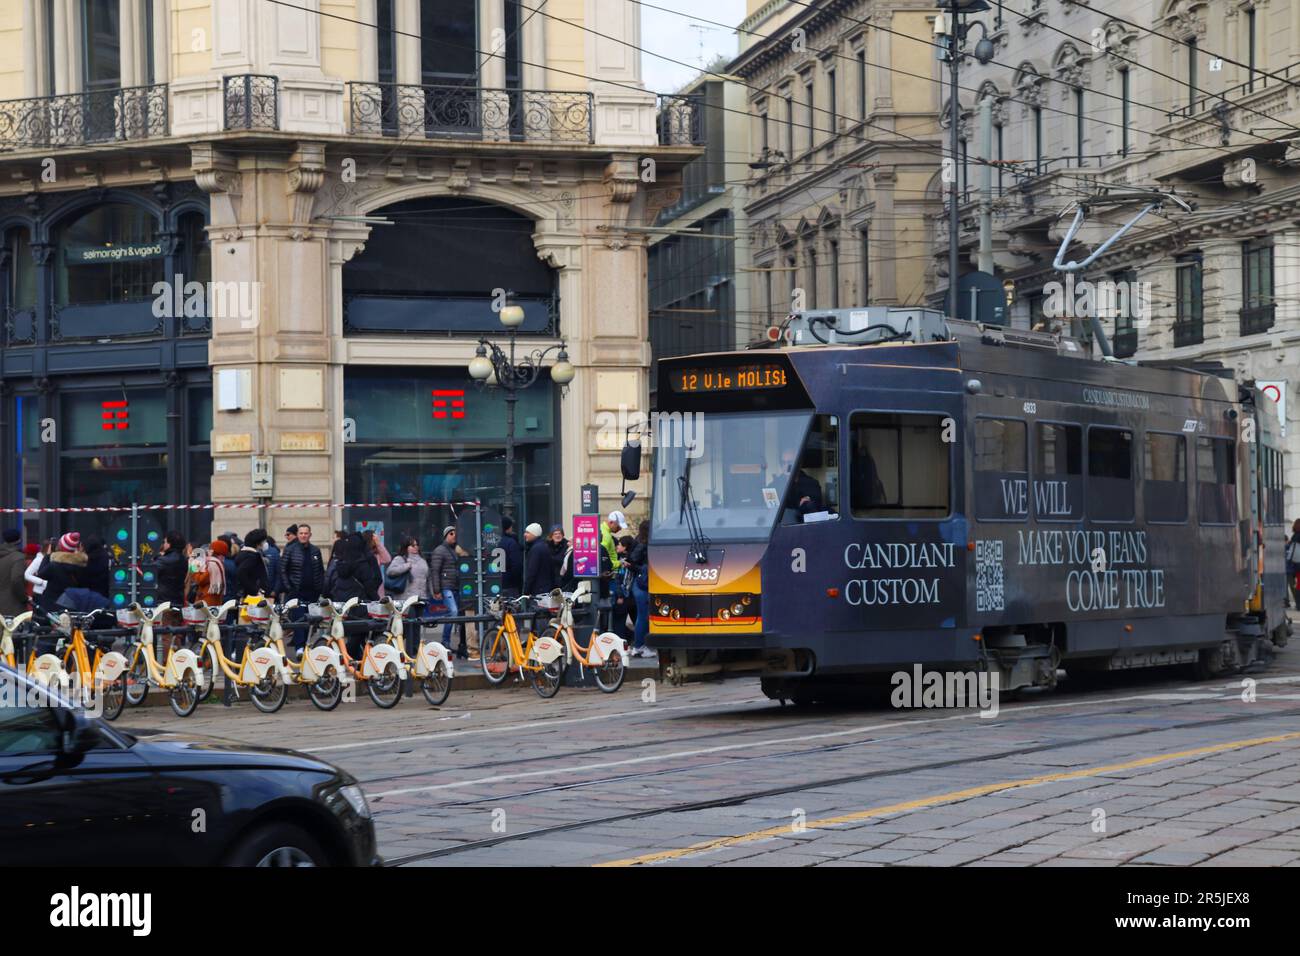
(327,690)
(137,682)
(385,688)
(270,693)
(436,686)
(207,672)
(547,680)
(494,655)
(184,697)
(609,676)
(112,697)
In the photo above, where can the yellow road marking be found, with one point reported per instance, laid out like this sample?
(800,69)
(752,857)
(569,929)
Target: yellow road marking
(952,797)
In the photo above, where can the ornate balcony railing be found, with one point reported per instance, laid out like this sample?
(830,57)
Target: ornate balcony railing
(1189,333)
(1258,319)
(469,112)
(680,120)
(83,119)
(251,101)
(1284,76)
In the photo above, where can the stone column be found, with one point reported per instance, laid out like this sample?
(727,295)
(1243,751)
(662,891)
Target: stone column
(267,251)
(66,22)
(33,50)
(494,105)
(1221,289)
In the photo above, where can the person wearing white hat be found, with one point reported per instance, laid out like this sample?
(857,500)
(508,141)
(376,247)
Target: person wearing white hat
(541,575)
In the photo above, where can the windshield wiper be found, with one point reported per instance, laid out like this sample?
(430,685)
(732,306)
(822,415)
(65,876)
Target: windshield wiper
(690,509)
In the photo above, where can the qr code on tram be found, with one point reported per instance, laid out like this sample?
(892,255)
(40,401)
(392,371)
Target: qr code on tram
(988,576)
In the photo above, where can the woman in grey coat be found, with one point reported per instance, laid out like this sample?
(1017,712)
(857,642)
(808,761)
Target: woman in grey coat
(410,562)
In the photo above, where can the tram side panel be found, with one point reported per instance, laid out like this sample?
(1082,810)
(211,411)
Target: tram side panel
(1084,522)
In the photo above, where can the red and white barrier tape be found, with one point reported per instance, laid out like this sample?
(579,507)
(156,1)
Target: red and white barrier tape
(240,507)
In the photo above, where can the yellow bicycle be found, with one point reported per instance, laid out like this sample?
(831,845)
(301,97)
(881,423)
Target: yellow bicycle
(261,669)
(541,658)
(606,655)
(178,674)
(431,664)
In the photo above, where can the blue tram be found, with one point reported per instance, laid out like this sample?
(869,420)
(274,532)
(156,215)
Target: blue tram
(922,491)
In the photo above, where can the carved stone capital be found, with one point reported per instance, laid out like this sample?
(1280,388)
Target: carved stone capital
(303,177)
(214,171)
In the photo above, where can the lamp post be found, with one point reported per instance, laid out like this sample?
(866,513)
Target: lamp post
(953,33)
(494,367)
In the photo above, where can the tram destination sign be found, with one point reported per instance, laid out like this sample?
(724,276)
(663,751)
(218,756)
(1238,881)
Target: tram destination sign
(737,378)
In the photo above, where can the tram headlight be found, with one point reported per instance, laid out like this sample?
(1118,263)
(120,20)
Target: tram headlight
(745,600)
(676,614)
(663,610)
(737,609)
(724,614)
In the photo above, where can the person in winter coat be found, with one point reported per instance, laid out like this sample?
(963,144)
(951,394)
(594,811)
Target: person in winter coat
(379,555)
(33,558)
(35,573)
(444,582)
(13,567)
(563,552)
(639,559)
(97,565)
(208,583)
(251,575)
(1292,555)
(355,575)
(66,568)
(272,555)
(171,569)
(540,573)
(409,567)
(512,578)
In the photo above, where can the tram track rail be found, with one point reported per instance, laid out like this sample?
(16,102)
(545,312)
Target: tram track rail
(839,780)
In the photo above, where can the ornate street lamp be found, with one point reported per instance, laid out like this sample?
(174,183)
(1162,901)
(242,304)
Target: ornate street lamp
(493,366)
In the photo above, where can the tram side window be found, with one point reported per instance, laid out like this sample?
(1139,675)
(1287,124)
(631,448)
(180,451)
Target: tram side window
(1110,474)
(899,466)
(1164,487)
(1058,472)
(1216,480)
(1274,494)
(1001,466)
(813,493)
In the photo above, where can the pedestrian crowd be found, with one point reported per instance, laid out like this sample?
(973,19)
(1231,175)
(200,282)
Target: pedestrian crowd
(72,572)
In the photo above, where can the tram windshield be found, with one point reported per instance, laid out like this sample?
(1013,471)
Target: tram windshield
(735,467)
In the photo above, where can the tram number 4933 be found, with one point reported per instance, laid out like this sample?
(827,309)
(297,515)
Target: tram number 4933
(700,574)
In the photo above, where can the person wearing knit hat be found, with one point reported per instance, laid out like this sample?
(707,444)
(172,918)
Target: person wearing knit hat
(209,583)
(65,569)
(535,530)
(541,571)
(13,565)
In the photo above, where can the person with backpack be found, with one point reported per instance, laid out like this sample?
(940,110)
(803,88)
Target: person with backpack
(64,569)
(1293,563)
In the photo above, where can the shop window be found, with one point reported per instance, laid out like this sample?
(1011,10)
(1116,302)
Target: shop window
(899,466)
(1058,472)
(435,270)
(109,254)
(812,493)
(1216,480)
(1164,477)
(195,252)
(1110,474)
(1001,468)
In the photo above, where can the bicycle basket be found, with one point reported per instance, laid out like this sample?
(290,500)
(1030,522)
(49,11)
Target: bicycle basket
(259,613)
(318,612)
(128,617)
(194,614)
(379,610)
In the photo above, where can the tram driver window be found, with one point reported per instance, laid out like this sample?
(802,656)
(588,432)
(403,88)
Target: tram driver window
(899,466)
(813,492)
(1001,466)
(1164,478)
(1216,480)
(1058,472)
(1110,474)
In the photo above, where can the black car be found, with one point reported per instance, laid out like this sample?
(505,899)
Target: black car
(75,790)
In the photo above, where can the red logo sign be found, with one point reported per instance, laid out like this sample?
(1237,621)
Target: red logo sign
(114,415)
(448,401)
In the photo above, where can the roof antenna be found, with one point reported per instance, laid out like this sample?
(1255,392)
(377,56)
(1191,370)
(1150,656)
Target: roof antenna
(1153,199)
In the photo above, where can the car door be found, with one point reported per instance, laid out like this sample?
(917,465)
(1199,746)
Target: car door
(96,804)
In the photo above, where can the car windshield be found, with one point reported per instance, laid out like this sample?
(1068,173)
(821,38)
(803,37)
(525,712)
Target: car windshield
(737,466)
